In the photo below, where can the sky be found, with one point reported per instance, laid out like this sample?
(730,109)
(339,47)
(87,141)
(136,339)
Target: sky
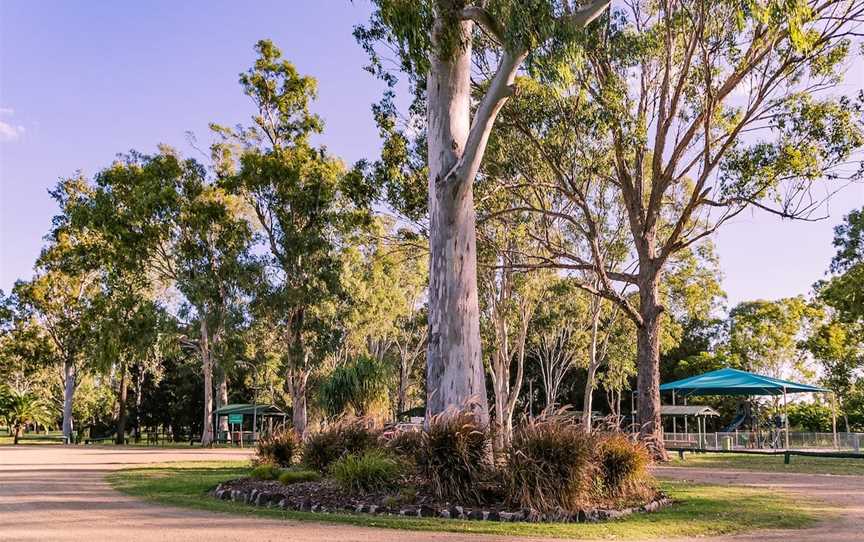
(83,81)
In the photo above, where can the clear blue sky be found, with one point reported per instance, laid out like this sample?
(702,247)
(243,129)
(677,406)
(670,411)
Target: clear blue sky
(82,81)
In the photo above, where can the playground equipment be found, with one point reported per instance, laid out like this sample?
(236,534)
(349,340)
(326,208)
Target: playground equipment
(733,382)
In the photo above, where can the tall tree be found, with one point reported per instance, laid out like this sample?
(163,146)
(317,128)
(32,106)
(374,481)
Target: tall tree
(166,222)
(436,41)
(687,113)
(304,202)
(60,296)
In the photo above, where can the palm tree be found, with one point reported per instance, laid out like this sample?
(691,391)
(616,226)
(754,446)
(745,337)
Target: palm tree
(20,408)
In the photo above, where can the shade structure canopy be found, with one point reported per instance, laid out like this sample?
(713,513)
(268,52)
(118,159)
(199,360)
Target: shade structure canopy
(735,382)
(243,408)
(684,410)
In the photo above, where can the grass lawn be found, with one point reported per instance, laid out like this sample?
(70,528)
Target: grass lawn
(53,437)
(772,463)
(699,509)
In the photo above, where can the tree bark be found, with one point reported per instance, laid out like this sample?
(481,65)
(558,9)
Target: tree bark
(19,430)
(296,383)
(454,374)
(207,363)
(221,398)
(121,406)
(69,375)
(648,363)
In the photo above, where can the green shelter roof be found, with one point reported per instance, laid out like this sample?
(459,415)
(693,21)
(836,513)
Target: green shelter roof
(243,408)
(734,382)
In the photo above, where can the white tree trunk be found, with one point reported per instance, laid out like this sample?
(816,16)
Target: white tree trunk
(454,374)
(207,363)
(297,391)
(69,376)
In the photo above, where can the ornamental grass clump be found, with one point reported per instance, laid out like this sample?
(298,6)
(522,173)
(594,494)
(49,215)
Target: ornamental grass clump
(373,470)
(550,465)
(623,466)
(265,471)
(348,436)
(454,456)
(279,448)
(406,445)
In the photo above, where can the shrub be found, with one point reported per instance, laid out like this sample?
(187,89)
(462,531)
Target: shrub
(623,465)
(279,448)
(349,436)
(359,387)
(454,456)
(372,471)
(406,445)
(289,477)
(265,472)
(550,465)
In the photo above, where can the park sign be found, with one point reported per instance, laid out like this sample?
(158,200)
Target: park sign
(235,418)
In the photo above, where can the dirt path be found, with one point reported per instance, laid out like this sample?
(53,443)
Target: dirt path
(59,493)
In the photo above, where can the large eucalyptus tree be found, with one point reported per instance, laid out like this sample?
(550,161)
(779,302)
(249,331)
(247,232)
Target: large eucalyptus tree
(306,204)
(683,115)
(436,42)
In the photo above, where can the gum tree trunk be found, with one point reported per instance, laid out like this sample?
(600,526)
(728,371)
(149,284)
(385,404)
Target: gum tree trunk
(207,363)
(221,398)
(648,364)
(121,405)
(69,375)
(296,384)
(454,373)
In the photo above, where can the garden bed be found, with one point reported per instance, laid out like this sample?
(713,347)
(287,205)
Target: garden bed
(326,496)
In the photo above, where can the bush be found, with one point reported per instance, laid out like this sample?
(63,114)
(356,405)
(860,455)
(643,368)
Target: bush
(623,465)
(550,465)
(265,472)
(289,477)
(372,471)
(454,456)
(359,387)
(406,445)
(350,436)
(279,448)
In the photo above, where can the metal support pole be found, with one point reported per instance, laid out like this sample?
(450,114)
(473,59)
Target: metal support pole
(674,418)
(786,416)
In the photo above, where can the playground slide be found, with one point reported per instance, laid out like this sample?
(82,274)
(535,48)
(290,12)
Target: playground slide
(736,423)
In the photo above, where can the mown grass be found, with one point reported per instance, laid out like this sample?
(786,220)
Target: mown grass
(699,510)
(772,463)
(52,437)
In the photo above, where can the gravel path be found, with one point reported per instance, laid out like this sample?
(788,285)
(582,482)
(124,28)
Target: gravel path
(59,493)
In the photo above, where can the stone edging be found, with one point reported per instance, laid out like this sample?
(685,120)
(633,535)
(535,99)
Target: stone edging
(275,500)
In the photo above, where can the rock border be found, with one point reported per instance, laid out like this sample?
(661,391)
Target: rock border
(268,499)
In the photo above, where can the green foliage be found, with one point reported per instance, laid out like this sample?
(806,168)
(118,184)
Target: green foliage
(550,465)
(763,335)
(266,472)
(374,470)
(348,436)
(810,417)
(455,456)
(19,408)
(357,388)
(279,449)
(292,476)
